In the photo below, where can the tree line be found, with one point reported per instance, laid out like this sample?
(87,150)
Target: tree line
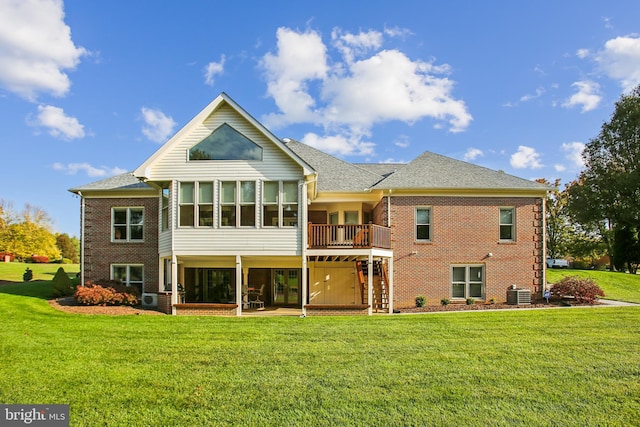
(598,214)
(28,233)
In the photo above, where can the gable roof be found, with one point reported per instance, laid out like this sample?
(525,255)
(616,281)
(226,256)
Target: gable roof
(335,175)
(122,182)
(434,171)
(143,171)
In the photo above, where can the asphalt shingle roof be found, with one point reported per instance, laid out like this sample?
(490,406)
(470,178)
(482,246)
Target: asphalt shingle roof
(125,181)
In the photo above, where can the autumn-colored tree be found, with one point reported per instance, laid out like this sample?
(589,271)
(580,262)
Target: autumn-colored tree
(67,247)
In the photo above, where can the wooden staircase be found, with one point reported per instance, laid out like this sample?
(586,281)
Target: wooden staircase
(380,294)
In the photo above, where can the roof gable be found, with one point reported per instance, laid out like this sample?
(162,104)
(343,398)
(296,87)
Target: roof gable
(145,171)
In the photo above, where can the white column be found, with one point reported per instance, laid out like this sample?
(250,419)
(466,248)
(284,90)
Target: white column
(390,283)
(239,285)
(174,282)
(370,283)
(304,207)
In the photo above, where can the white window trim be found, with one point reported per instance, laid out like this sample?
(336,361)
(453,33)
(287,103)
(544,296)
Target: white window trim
(415,223)
(513,223)
(128,225)
(128,266)
(197,204)
(180,204)
(468,281)
(240,204)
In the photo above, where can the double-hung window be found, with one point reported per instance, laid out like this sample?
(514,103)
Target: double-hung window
(423,224)
(166,198)
(247,204)
(290,203)
(187,201)
(228,203)
(127,224)
(270,192)
(205,204)
(507,224)
(467,281)
(129,275)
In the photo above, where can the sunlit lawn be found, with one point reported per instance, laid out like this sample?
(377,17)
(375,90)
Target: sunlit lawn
(616,286)
(555,367)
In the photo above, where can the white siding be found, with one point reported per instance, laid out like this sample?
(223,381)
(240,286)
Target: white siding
(276,165)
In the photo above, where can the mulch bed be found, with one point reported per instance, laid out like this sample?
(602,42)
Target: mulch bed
(71,306)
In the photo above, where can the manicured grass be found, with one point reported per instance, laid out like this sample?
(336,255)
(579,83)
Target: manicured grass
(13,271)
(575,367)
(616,286)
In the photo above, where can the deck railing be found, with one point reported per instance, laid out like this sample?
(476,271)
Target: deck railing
(322,236)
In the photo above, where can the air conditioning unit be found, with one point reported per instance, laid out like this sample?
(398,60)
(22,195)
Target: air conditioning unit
(519,296)
(149,300)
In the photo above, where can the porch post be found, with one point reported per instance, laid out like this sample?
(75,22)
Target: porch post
(174,282)
(370,283)
(239,285)
(305,245)
(390,283)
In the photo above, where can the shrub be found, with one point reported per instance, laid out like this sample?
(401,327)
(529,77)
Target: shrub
(420,301)
(118,286)
(470,301)
(39,259)
(27,275)
(98,295)
(583,290)
(445,301)
(493,300)
(62,284)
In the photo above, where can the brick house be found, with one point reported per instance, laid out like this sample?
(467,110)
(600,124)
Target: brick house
(226,217)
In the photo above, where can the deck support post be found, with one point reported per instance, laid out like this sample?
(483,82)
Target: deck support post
(370,282)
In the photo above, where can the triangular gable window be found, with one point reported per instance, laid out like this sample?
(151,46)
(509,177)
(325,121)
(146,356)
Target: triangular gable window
(225,143)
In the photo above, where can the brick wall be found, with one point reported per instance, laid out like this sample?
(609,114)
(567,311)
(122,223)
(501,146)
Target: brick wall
(464,230)
(100,252)
(201,309)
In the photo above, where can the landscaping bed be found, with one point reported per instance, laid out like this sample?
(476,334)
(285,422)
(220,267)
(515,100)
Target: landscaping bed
(71,306)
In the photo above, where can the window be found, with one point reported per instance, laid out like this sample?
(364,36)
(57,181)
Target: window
(507,224)
(205,204)
(127,224)
(270,190)
(225,143)
(228,204)
(467,281)
(290,203)
(423,224)
(166,198)
(129,274)
(247,204)
(187,204)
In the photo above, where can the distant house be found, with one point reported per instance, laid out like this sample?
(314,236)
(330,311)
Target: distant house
(226,217)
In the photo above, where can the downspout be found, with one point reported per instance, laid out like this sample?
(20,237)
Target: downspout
(544,244)
(305,245)
(389,208)
(82,208)
(174,258)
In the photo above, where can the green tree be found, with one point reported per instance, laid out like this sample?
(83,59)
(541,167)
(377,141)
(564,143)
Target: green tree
(67,247)
(606,195)
(27,233)
(557,225)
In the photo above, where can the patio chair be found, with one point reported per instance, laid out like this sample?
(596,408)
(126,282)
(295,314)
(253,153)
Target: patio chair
(257,295)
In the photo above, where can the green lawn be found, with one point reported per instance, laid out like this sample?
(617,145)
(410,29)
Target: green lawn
(13,271)
(574,367)
(616,286)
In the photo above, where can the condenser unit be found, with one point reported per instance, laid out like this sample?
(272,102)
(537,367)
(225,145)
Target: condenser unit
(149,300)
(518,296)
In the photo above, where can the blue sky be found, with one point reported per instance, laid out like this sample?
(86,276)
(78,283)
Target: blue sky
(91,89)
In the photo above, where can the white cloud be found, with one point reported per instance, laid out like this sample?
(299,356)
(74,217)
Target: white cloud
(582,53)
(472,154)
(574,153)
(620,60)
(364,85)
(528,97)
(212,69)
(560,168)
(402,141)
(158,126)
(92,171)
(339,144)
(36,48)
(58,124)
(525,157)
(587,96)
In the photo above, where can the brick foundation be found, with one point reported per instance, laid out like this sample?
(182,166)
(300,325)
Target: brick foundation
(204,309)
(337,310)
